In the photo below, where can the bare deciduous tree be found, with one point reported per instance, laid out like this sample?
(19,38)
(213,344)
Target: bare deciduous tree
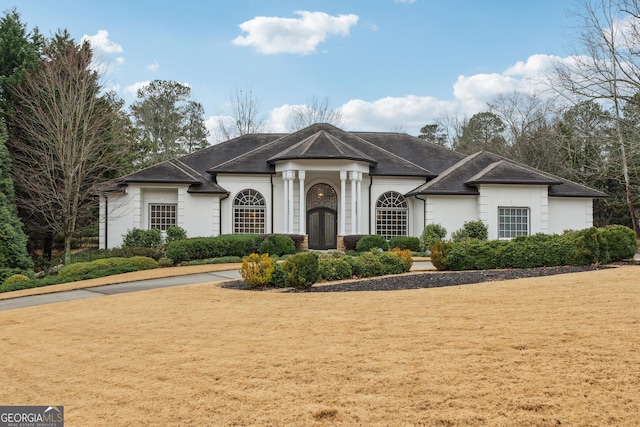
(314,111)
(64,138)
(245,117)
(607,70)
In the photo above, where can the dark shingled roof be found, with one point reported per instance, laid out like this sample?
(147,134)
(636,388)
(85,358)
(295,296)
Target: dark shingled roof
(387,162)
(387,153)
(321,145)
(488,168)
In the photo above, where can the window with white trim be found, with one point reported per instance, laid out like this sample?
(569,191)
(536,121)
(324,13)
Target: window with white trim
(513,222)
(162,215)
(249,208)
(392,215)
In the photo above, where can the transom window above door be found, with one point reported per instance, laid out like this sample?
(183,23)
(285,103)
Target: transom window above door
(322,196)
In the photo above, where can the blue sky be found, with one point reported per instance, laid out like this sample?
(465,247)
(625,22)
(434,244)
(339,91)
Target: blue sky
(387,64)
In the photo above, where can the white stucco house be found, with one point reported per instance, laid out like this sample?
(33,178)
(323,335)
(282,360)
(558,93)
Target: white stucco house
(325,183)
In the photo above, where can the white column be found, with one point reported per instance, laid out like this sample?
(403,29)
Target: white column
(302,229)
(354,218)
(359,201)
(292,175)
(343,198)
(285,198)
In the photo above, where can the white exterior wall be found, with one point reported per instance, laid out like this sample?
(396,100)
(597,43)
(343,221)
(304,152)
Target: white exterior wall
(534,197)
(202,215)
(567,213)
(118,220)
(451,211)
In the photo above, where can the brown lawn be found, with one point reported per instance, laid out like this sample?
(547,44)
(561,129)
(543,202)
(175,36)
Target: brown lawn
(560,350)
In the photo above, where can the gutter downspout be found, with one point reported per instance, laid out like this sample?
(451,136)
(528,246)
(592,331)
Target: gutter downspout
(424,209)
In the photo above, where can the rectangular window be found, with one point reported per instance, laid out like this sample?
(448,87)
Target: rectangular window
(161,216)
(513,222)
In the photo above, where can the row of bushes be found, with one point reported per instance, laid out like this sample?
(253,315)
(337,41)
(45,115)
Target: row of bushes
(590,246)
(302,270)
(81,271)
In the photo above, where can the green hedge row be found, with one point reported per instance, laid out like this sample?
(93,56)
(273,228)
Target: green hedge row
(584,247)
(82,268)
(213,247)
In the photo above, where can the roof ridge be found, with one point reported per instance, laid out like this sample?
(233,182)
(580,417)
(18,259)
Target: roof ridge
(189,168)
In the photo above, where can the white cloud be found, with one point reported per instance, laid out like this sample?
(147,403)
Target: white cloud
(133,89)
(100,43)
(153,67)
(273,35)
(470,95)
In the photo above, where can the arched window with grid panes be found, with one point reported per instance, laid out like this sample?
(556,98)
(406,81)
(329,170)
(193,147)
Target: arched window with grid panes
(392,215)
(249,210)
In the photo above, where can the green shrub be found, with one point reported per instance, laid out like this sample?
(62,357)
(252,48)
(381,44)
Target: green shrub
(439,251)
(278,244)
(123,252)
(236,244)
(175,233)
(391,263)
(405,256)
(405,242)
(151,238)
(621,241)
(301,270)
(16,278)
(471,230)
(256,270)
(129,264)
(298,239)
(334,269)
(473,254)
(432,233)
(277,277)
(165,262)
(371,241)
(351,241)
(366,265)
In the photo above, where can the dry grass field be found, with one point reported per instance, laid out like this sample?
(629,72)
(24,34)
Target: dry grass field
(557,350)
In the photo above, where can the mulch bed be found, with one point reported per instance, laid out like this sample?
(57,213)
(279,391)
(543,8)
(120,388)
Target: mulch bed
(427,279)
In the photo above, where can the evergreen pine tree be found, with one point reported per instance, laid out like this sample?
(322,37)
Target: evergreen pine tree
(13,241)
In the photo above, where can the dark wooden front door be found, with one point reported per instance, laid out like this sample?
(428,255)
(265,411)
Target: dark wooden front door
(321,228)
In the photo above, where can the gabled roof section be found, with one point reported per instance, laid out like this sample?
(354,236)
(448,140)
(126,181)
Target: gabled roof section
(168,172)
(385,162)
(504,172)
(487,168)
(322,145)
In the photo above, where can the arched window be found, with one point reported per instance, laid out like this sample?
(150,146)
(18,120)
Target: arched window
(249,209)
(392,214)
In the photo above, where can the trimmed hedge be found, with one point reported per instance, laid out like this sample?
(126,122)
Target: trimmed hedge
(132,264)
(371,241)
(401,242)
(589,246)
(213,247)
(151,238)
